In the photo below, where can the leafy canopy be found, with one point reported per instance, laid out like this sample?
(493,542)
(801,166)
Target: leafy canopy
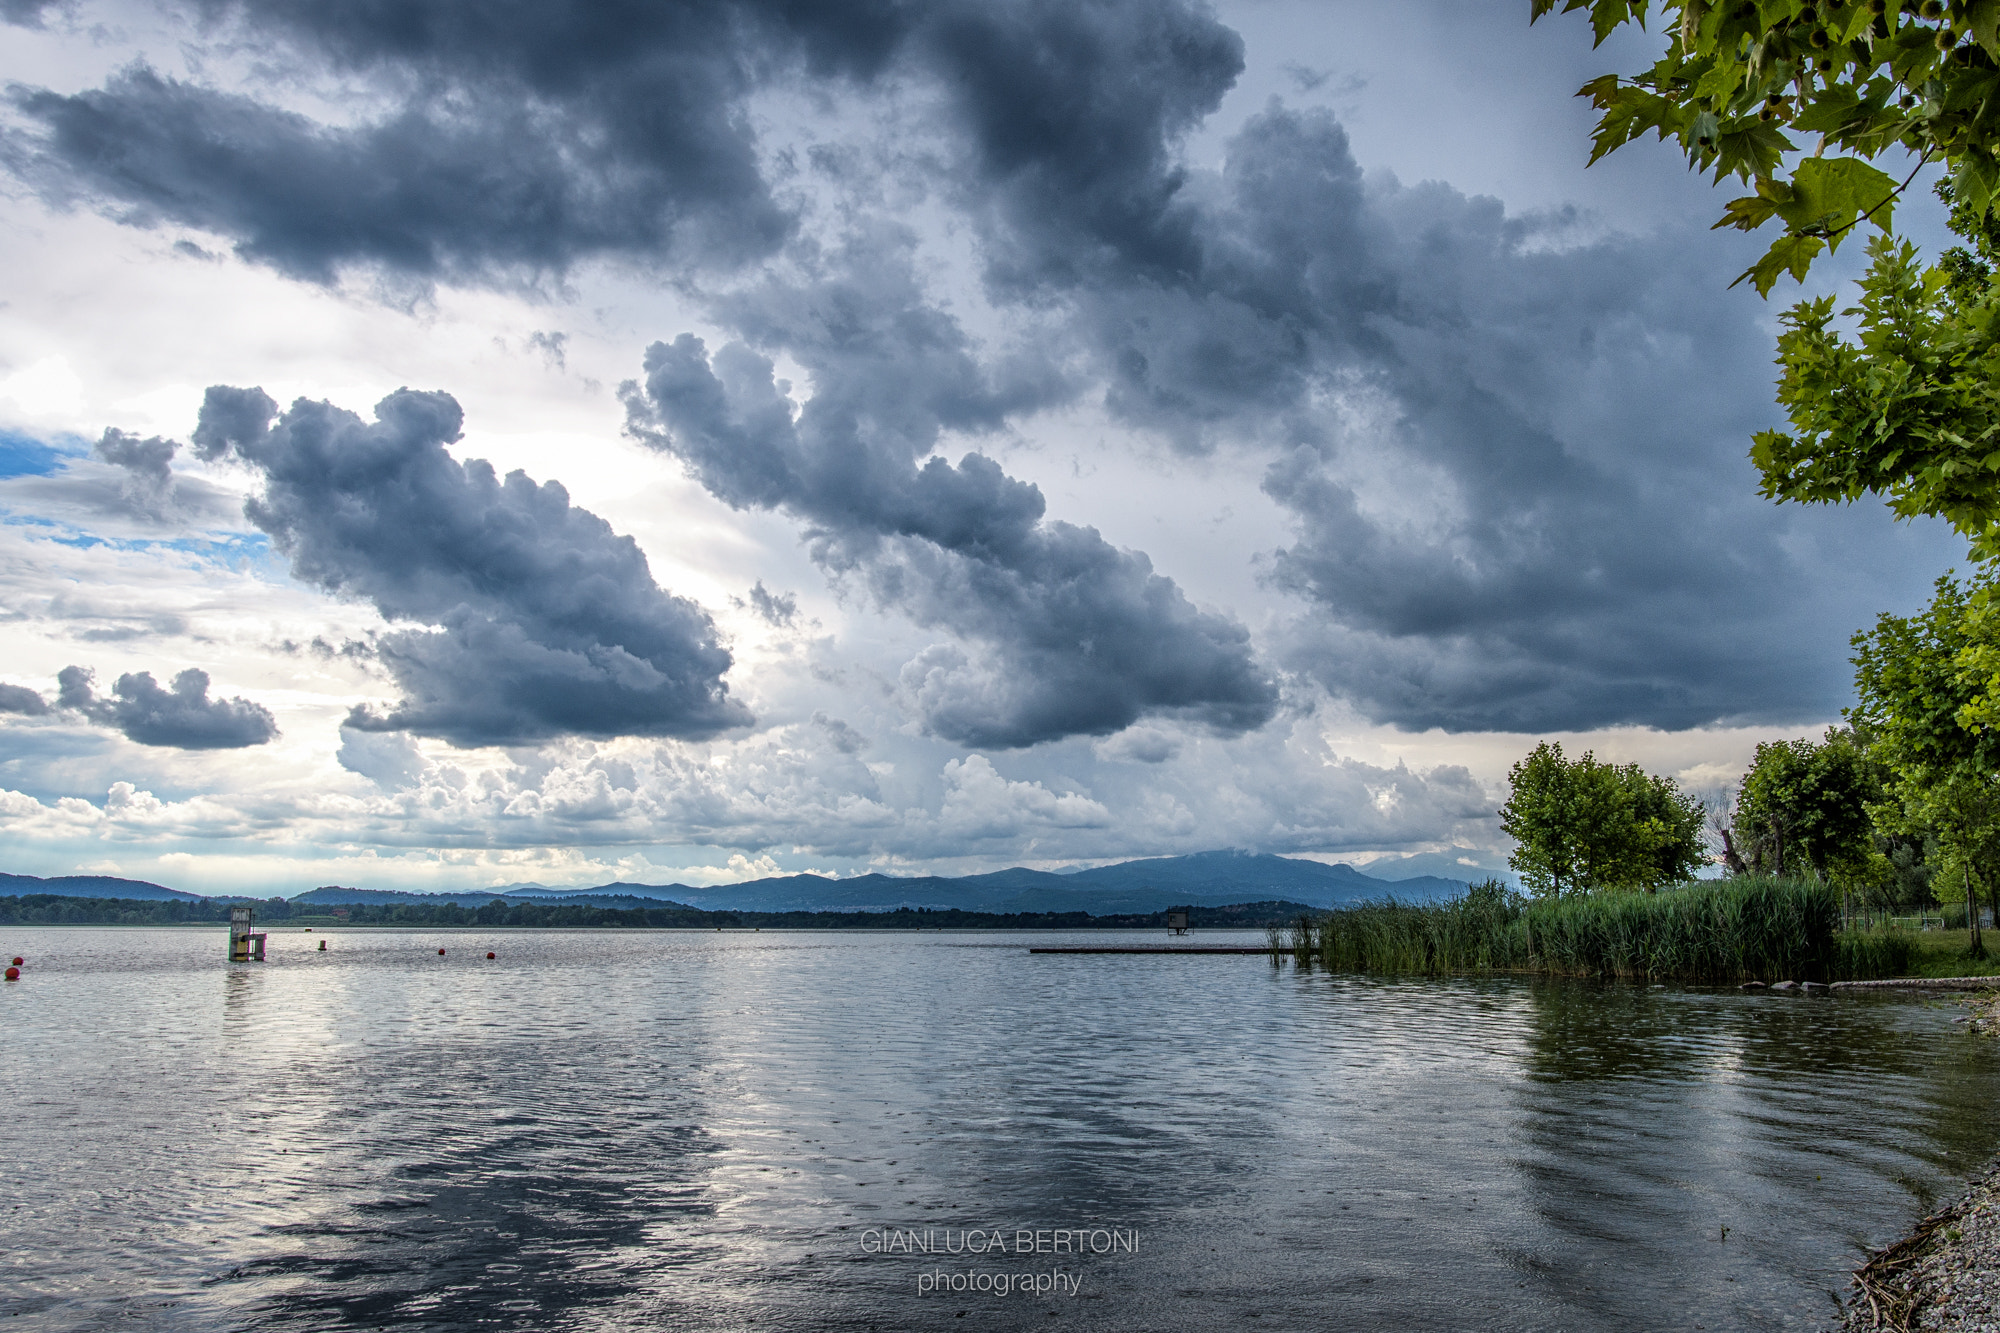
(1908,408)
(1805,805)
(1583,826)
(1741,77)
(1925,690)
(1920,692)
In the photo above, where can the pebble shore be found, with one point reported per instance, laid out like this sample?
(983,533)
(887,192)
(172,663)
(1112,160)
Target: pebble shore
(1944,1275)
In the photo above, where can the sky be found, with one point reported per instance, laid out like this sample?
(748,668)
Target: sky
(446,445)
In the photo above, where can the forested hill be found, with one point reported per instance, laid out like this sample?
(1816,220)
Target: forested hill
(91,886)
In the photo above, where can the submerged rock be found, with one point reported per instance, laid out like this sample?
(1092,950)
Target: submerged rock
(1753,985)
(1785,985)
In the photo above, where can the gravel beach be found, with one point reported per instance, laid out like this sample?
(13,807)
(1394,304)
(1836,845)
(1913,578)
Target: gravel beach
(1945,1274)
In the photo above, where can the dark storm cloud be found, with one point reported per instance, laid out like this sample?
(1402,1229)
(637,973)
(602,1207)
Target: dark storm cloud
(1076,636)
(516,138)
(20,699)
(544,622)
(500,187)
(149,462)
(1071,114)
(1513,453)
(183,717)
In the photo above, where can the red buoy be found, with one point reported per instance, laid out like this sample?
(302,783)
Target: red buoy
(489,955)
(19,961)
(13,974)
(440,953)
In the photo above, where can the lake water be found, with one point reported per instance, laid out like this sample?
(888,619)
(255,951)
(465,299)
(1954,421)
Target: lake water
(664,1130)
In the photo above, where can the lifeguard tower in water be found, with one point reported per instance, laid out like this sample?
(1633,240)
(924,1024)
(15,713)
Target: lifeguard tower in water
(245,945)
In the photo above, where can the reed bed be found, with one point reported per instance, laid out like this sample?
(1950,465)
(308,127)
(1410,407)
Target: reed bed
(1709,931)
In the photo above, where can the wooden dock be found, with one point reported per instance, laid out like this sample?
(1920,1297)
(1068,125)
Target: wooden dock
(1153,948)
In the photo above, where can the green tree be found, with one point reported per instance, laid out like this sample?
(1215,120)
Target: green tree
(1581,825)
(1921,688)
(1967,809)
(1908,408)
(1907,875)
(1804,806)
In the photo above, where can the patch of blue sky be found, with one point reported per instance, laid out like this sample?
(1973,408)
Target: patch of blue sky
(227,548)
(25,456)
(230,548)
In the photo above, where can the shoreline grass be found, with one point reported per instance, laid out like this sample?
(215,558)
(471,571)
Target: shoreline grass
(1715,931)
(1946,953)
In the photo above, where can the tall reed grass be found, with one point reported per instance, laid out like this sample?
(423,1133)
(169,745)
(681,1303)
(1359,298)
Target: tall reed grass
(1709,931)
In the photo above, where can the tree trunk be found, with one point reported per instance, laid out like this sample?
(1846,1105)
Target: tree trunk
(1972,915)
(1730,857)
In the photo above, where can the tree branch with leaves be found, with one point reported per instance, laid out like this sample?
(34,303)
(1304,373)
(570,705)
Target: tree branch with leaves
(1869,79)
(1906,409)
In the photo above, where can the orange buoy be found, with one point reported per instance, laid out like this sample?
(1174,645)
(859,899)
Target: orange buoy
(489,955)
(440,953)
(13,974)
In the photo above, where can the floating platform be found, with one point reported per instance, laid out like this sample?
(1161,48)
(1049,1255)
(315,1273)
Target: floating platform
(1264,949)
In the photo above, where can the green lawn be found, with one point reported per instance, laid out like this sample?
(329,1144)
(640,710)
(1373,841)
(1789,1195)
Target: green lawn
(1941,953)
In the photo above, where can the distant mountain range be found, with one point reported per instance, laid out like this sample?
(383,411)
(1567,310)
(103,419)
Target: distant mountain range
(1206,879)
(1457,863)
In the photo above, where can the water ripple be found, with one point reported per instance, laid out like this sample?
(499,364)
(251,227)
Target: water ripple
(676,1130)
